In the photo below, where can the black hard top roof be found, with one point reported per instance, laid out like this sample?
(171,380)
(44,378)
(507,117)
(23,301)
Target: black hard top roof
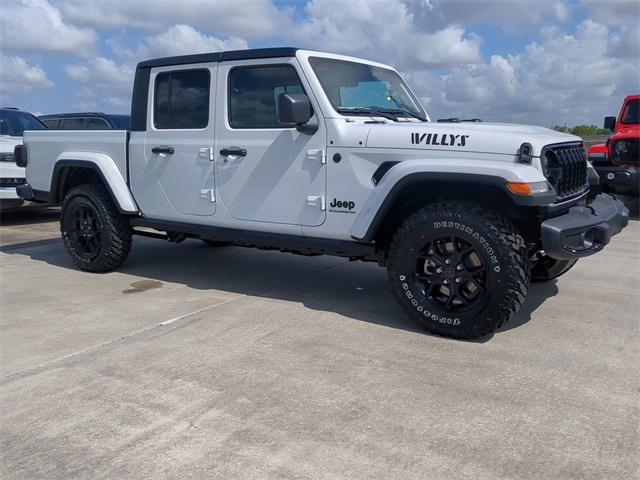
(220,56)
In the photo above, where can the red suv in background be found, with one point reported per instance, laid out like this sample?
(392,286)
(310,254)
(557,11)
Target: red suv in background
(618,161)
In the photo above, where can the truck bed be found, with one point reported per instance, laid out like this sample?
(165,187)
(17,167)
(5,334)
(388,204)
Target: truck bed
(46,147)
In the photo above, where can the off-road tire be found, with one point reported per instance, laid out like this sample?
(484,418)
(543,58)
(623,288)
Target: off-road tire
(547,268)
(113,232)
(496,243)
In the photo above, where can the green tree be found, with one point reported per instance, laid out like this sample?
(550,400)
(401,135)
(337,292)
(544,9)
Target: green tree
(582,130)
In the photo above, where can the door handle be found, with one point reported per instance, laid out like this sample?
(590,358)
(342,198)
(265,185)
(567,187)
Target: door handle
(166,150)
(233,151)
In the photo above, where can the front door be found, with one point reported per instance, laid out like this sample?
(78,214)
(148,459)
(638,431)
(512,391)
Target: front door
(266,171)
(179,142)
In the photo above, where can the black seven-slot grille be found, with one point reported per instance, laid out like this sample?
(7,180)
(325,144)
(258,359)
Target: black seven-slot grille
(565,166)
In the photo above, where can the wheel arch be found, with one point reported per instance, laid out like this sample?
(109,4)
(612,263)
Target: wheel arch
(422,188)
(72,170)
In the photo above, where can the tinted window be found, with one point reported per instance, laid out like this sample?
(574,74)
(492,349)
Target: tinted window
(51,123)
(14,123)
(73,124)
(96,124)
(182,99)
(352,85)
(254,92)
(631,112)
(122,122)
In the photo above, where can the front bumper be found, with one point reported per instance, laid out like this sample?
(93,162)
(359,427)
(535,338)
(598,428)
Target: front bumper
(583,231)
(619,179)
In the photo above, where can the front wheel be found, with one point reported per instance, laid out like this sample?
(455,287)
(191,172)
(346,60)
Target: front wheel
(458,269)
(96,235)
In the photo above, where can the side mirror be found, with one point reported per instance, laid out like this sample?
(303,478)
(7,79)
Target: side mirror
(295,108)
(610,123)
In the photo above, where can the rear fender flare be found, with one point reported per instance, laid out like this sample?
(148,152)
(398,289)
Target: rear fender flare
(105,167)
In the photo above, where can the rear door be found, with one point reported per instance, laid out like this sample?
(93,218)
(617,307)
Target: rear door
(179,143)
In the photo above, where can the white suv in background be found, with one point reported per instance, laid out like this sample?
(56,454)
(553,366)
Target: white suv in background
(12,123)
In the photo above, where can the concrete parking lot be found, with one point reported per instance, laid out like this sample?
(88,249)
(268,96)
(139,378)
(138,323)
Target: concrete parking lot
(234,363)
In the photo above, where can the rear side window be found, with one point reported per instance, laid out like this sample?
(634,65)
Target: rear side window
(52,123)
(182,99)
(73,124)
(254,92)
(96,124)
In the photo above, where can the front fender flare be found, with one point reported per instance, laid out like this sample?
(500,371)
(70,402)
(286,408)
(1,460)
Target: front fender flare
(107,170)
(409,172)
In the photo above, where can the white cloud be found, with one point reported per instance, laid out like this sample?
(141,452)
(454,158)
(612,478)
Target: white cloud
(613,12)
(104,84)
(177,40)
(36,25)
(564,77)
(513,16)
(384,30)
(16,75)
(246,18)
(561,11)
(623,16)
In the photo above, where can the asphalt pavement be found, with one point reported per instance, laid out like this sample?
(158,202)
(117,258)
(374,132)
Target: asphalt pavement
(233,363)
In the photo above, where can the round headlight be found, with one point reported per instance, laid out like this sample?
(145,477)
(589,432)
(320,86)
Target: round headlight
(621,147)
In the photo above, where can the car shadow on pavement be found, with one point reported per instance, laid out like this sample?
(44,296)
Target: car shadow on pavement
(355,290)
(29,215)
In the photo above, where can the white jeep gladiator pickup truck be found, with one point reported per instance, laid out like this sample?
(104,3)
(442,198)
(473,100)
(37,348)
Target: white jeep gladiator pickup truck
(315,153)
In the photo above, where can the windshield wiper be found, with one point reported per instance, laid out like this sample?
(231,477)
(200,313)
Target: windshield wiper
(403,107)
(397,111)
(372,112)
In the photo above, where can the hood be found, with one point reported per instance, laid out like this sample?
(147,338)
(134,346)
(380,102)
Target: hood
(497,138)
(7,143)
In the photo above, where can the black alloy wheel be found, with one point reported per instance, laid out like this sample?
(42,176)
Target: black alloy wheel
(86,231)
(451,272)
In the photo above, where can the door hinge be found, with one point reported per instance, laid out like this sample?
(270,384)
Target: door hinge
(316,201)
(208,153)
(318,155)
(208,193)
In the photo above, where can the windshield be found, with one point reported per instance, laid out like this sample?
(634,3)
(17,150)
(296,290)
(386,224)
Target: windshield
(122,122)
(631,113)
(352,85)
(14,123)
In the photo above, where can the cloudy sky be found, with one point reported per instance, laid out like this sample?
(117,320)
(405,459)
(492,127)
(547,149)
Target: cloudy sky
(526,61)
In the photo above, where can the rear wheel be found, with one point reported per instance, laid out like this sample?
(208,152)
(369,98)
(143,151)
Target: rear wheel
(96,235)
(458,270)
(545,268)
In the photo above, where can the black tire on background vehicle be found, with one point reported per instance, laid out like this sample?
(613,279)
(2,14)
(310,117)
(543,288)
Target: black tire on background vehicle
(545,268)
(95,234)
(458,269)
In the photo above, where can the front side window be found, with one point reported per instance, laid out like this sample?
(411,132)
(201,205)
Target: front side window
(182,99)
(254,93)
(631,113)
(351,86)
